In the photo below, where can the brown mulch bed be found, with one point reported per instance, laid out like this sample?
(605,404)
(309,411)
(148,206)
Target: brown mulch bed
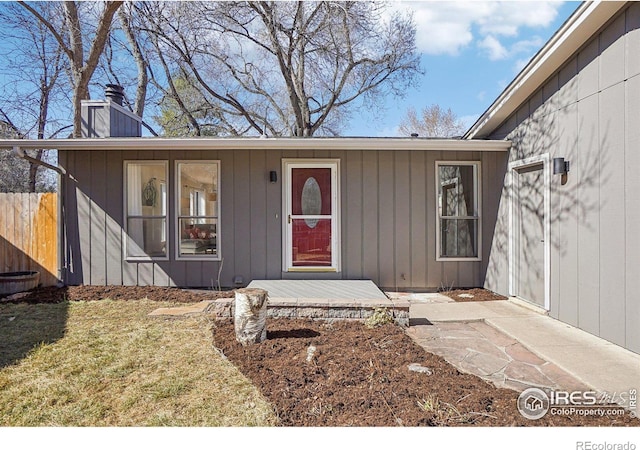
(87,293)
(360,377)
(478,295)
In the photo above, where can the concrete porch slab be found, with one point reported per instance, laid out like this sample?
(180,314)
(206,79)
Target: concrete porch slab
(317,289)
(322,299)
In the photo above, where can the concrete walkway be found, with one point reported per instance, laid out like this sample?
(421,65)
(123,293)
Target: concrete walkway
(517,347)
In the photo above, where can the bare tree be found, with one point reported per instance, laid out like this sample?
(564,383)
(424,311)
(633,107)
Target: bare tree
(126,43)
(125,17)
(282,68)
(432,122)
(34,70)
(71,37)
(184,111)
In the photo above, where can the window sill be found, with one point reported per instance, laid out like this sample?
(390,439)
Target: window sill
(210,258)
(139,259)
(459,259)
(312,269)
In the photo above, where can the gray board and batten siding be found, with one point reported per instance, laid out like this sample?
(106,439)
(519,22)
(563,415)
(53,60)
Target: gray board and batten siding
(587,112)
(387,209)
(105,118)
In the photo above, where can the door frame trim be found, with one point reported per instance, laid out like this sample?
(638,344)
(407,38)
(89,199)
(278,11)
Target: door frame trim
(512,170)
(336,247)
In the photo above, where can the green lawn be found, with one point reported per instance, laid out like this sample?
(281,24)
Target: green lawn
(107,363)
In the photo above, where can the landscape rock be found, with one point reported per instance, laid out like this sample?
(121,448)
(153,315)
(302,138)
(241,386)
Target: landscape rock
(415,367)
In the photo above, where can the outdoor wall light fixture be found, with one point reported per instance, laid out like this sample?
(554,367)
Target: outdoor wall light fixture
(273,176)
(560,166)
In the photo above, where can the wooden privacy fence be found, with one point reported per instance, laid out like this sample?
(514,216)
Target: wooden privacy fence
(29,234)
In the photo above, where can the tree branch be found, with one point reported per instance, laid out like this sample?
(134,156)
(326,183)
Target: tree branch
(50,27)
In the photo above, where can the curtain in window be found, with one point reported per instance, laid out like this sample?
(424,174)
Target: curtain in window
(134,208)
(458,210)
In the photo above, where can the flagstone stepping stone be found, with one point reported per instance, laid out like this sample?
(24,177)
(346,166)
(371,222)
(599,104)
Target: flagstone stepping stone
(196,308)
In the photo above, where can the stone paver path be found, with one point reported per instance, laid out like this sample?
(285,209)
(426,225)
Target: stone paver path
(196,308)
(480,349)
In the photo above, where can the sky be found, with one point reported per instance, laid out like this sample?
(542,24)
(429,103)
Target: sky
(470,51)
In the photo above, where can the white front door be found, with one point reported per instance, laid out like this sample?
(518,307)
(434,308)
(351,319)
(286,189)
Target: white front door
(311,223)
(530,235)
(530,231)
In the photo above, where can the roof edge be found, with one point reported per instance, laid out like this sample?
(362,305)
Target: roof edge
(258,144)
(573,34)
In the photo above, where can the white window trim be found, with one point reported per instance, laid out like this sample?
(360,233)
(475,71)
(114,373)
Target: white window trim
(125,204)
(199,257)
(336,247)
(513,167)
(478,202)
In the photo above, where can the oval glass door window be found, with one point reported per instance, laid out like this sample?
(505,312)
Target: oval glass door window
(311,201)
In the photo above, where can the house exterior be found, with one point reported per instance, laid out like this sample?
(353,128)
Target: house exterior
(337,209)
(408,213)
(571,243)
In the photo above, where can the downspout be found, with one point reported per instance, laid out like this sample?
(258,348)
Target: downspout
(62,259)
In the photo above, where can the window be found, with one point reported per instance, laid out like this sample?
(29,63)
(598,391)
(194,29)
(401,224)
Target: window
(458,210)
(198,209)
(145,209)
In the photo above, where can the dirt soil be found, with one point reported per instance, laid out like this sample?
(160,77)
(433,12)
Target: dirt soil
(356,377)
(473,295)
(88,293)
(360,377)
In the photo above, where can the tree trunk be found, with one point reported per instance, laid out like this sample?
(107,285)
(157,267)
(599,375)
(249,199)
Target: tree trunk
(138,57)
(250,315)
(33,169)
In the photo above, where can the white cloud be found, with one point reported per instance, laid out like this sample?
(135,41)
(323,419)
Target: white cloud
(527,45)
(525,50)
(446,27)
(440,31)
(519,64)
(494,47)
(496,50)
(469,120)
(507,17)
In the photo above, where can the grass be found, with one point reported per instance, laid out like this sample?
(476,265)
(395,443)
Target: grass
(108,364)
